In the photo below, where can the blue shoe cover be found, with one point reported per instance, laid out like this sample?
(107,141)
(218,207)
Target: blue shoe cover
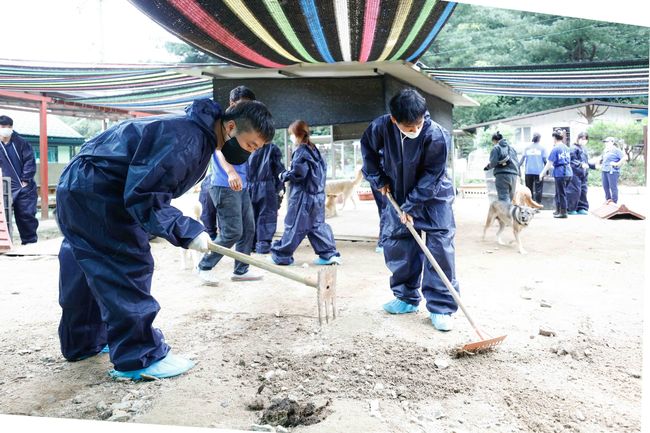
(397,306)
(334,260)
(269,259)
(379,250)
(583,212)
(442,322)
(169,366)
(105,349)
(572,213)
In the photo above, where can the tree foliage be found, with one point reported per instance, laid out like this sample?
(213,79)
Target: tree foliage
(483,36)
(189,54)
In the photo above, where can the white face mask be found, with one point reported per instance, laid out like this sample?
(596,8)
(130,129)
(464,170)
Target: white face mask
(412,135)
(6,132)
(293,139)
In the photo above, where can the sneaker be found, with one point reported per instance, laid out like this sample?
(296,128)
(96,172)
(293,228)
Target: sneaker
(208,277)
(442,322)
(397,306)
(573,212)
(334,260)
(560,215)
(583,212)
(250,275)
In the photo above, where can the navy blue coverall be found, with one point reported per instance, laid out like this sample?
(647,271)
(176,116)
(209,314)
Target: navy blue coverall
(306,208)
(415,171)
(17,161)
(110,196)
(577,189)
(264,185)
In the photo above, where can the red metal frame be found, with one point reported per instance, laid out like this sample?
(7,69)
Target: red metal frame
(44,100)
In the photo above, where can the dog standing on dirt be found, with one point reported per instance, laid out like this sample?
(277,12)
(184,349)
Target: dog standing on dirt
(345,187)
(523,197)
(509,215)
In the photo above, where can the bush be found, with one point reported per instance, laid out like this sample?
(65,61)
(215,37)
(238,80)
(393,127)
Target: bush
(632,174)
(485,136)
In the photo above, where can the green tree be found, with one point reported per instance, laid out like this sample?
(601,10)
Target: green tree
(189,54)
(484,36)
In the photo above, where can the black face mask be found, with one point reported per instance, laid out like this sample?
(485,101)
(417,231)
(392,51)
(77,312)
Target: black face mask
(234,153)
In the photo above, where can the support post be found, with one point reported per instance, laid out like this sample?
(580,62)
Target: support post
(43,150)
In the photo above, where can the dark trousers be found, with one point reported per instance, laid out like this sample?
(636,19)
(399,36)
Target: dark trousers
(561,184)
(505,184)
(105,276)
(577,192)
(610,185)
(208,211)
(24,206)
(535,186)
(236,226)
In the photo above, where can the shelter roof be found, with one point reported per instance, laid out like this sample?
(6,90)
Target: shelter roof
(277,33)
(571,80)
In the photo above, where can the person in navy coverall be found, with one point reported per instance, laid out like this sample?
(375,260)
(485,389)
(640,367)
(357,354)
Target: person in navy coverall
(306,203)
(114,193)
(17,161)
(413,170)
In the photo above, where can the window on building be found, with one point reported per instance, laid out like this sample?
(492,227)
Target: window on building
(52,155)
(522,134)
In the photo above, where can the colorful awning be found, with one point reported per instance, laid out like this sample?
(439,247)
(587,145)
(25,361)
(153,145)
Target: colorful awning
(575,80)
(277,33)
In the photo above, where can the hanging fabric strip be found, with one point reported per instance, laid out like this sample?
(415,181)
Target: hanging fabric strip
(281,20)
(311,14)
(193,11)
(403,10)
(245,15)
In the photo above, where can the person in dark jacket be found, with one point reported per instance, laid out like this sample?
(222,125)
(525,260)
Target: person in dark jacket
(405,154)
(306,205)
(17,161)
(560,159)
(503,159)
(577,203)
(266,191)
(114,193)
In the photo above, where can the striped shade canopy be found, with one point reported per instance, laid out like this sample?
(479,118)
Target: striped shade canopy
(574,80)
(277,33)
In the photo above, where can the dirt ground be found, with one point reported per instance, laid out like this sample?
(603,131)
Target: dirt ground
(258,343)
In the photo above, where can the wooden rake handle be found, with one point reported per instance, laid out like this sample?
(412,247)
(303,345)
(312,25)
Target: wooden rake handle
(279,270)
(435,264)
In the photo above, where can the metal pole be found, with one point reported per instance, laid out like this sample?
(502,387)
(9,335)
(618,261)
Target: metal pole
(332,155)
(43,150)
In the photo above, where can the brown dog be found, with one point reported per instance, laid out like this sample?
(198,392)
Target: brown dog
(523,197)
(345,187)
(330,206)
(509,215)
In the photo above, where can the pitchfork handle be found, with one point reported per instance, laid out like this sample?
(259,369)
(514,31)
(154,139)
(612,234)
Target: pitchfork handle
(434,263)
(309,281)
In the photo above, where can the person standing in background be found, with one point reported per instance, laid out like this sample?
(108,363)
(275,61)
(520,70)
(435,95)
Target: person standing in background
(18,162)
(503,159)
(611,162)
(560,159)
(535,158)
(577,190)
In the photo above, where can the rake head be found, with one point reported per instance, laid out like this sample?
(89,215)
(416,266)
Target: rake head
(479,346)
(326,294)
